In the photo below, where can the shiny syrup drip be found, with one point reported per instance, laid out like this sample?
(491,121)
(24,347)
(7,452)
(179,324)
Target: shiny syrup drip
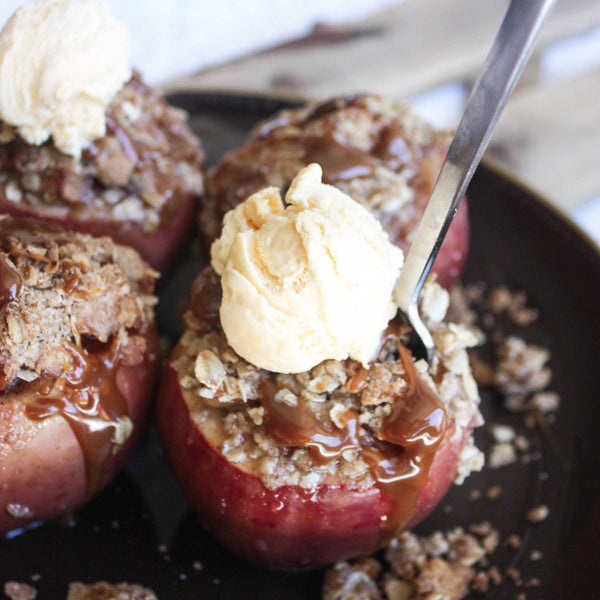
(295,426)
(323,109)
(89,399)
(413,432)
(400,460)
(28,232)
(339,163)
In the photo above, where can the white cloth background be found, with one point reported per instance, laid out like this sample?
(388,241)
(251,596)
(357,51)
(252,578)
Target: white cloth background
(175,37)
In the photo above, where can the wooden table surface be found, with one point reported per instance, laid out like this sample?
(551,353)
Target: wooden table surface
(549,134)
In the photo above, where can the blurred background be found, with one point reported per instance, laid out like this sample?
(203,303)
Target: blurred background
(425,51)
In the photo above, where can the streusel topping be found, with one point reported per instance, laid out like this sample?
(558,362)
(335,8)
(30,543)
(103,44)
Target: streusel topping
(59,288)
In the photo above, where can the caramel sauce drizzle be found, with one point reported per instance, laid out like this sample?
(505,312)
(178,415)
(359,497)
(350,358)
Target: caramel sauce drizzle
(401,456)
(89,399)
(298,426)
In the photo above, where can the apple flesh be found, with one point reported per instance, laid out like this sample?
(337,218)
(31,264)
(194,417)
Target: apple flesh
(290,526)
(44,469)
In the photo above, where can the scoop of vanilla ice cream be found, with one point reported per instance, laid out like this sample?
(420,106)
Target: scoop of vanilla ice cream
(61,63)
(305,282)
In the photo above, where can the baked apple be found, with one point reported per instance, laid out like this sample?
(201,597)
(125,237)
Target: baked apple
(78,361)
(379,153)
(84,142)
(139,183)
(307,469)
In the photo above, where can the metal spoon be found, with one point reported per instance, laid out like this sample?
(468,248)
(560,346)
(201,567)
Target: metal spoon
(500,72)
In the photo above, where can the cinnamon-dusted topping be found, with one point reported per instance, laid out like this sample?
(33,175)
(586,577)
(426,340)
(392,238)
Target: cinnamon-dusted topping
(140,171)
(109,591)
(379,153)
(59,289)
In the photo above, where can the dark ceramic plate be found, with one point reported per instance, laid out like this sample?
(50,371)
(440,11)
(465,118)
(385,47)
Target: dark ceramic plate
(140,529)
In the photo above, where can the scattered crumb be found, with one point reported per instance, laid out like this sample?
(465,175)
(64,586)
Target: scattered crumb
(441,565)
(19,591)
(494,492)
(537,514)
(484,579)
(521,443)
(546,402)
(502,433)
(501,455)
(449,565)
(109,591)
(515,575)
(536,555)
(475,495)
(352,580)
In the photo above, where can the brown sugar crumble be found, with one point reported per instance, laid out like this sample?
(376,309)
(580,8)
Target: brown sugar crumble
(80,591)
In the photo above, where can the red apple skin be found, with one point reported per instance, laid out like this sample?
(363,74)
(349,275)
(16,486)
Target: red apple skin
(289,527)
(160,248)
(42,464)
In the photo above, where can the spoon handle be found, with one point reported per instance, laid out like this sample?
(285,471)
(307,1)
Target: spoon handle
(500,72)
